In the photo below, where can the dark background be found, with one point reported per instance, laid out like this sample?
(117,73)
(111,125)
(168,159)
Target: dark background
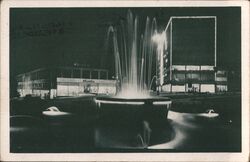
(193,41)
(42,37)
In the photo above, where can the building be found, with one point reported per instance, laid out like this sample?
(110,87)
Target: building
(65,81)
(221,81)
(187,62)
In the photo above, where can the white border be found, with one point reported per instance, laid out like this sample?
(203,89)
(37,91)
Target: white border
(6,156)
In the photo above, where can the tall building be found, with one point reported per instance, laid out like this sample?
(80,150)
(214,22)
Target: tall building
(188,61)
(65,81)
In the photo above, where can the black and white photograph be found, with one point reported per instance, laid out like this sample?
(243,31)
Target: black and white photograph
(125,79)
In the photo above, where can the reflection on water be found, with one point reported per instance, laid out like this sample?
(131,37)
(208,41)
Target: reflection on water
(181,131)
(132,135)
(79,131)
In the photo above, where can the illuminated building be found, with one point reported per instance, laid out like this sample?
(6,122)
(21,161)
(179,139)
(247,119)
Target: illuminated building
(65,81)
(188,61)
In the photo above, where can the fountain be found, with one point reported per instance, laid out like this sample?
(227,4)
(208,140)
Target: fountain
(134,53)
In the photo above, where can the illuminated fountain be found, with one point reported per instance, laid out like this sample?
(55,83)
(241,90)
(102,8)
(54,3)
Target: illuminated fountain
(133,56)
(134,53)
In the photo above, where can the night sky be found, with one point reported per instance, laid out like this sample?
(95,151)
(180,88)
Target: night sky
(41,37)
(193,41)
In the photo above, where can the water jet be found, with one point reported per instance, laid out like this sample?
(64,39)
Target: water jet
(134,53)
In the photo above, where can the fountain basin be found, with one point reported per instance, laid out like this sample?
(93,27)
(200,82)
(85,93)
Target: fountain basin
(127,110)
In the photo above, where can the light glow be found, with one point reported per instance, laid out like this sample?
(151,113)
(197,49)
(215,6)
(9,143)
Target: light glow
(161,102)
(131,92)
(54,113)
(121,102)
(159,38)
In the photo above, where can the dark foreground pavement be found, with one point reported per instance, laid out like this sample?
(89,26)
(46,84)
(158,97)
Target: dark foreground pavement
(186,129)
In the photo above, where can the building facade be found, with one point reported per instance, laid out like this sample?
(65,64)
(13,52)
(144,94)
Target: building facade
(65,81)
(188,59)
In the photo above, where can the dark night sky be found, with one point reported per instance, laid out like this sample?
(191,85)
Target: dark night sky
(42,37)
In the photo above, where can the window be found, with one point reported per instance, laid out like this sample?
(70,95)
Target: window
(179,77)
(86,74)
(76,73)
(193,76)
(66,73)
(94,75)
(103,75)
(207,76)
